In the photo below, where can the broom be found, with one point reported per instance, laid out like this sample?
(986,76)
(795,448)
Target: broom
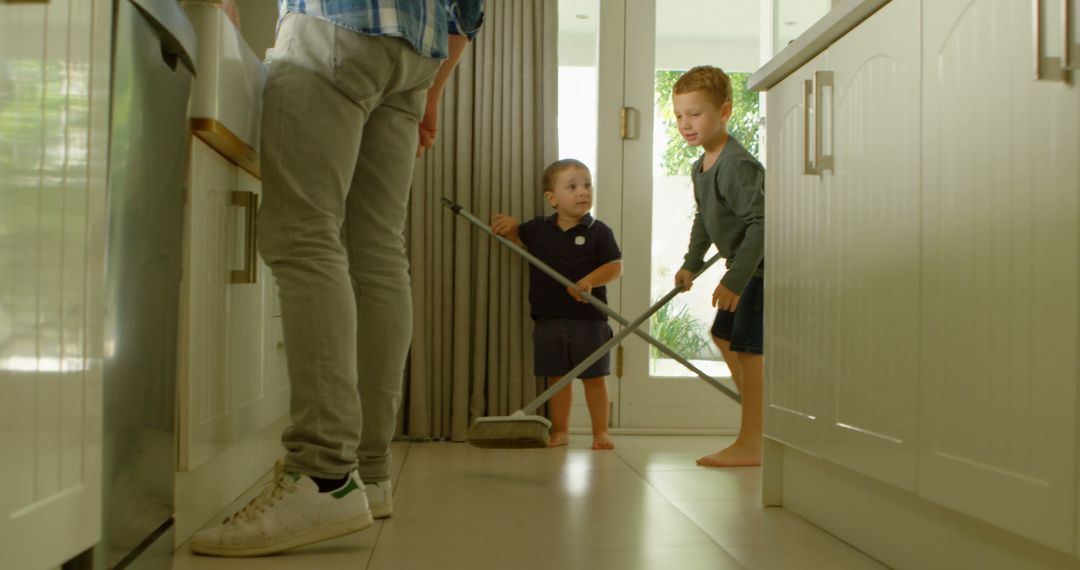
(524,428)
(600,305)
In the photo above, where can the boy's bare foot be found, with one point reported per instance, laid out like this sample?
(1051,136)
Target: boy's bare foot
(735,456)
(558,439)
(602,441)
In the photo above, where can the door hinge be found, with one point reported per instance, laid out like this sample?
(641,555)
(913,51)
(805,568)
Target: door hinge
(619,361)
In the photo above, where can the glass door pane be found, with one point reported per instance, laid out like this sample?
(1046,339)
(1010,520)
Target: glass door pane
(583,60)
(579,34)
(727,31)
(670,38)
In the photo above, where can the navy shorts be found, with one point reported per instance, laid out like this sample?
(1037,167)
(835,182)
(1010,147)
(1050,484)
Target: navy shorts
(745,328)
(561,344)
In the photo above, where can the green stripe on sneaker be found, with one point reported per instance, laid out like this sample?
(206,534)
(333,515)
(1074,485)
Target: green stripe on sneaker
(352,486)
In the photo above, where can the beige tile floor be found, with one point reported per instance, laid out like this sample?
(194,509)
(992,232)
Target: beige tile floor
(645,506)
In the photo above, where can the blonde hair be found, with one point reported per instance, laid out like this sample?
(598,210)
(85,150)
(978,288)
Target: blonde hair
(712,80)
(552,172)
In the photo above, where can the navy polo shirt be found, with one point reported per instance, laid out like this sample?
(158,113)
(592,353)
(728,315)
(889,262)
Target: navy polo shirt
(574,253)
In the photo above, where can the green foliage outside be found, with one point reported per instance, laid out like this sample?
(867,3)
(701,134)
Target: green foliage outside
(680,331)
(678,157)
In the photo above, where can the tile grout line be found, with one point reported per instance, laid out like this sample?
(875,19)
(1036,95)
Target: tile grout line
(393,486)
(676,507)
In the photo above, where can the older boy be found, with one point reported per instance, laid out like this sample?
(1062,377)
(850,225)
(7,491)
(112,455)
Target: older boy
(729,191)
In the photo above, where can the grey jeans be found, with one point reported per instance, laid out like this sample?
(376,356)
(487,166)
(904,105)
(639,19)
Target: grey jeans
(340,126)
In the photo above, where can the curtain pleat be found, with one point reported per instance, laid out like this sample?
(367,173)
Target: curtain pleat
(472,346)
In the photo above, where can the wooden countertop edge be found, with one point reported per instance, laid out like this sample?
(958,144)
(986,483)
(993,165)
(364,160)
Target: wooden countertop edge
(227,144)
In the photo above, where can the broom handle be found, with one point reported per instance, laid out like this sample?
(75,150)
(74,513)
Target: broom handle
(459,210)
(532,406)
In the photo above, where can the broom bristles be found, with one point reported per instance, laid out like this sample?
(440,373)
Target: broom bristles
(509,432)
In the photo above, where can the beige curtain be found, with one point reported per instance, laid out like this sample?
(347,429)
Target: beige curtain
(472,346)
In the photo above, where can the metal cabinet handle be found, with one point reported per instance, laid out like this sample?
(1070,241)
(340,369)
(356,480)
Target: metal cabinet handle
(1050,68)
(822,161)
(819,162)
(1066,36)
(249,274)
(628,123)
(808,95)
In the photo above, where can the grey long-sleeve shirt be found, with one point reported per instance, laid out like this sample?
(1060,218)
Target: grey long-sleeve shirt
(730,213)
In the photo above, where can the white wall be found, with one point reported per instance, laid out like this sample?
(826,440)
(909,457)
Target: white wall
(258,21)
(731,55)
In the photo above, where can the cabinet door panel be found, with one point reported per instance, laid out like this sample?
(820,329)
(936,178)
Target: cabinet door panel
(54,93)
(798,291)
(1001,286)
(205,394)
(875,185)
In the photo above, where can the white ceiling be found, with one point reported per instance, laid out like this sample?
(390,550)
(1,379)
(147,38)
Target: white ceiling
(728,20)
(688,33)
(793,17)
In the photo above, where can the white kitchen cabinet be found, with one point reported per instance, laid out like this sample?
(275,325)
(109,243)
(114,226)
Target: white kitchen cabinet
(256,353)
(233,385)
(234,393)
(54,125)
(843,234)
(205,385)
(797,250)
(234,354)
(1001,272)
(870,129)
(233,381)
(939,257)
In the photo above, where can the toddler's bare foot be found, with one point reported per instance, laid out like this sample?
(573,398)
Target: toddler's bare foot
(737,455)
(558,439)
(602,441)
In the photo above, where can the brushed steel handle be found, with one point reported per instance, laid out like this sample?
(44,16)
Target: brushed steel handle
(1066,36)
(822,161)
(1049,68)
(249,274)
(1036,20)
(808,95)
(626,123)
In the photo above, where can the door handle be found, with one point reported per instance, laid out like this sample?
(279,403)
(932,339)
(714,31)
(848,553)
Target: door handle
(1050,68)
(1067,28)
(822,161)
(249,274)
(628,123)
(808,95)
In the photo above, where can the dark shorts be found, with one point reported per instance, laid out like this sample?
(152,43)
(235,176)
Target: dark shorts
(561,344)
(745,328)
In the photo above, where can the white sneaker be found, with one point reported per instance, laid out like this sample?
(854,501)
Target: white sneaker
(289,513)
(380,497)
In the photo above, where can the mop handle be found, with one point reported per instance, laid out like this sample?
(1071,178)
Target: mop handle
(458,209)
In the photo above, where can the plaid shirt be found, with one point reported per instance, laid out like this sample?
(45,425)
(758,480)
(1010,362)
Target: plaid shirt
(424,23)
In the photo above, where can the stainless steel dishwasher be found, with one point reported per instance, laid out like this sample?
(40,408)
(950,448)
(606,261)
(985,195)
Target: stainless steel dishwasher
(153,53)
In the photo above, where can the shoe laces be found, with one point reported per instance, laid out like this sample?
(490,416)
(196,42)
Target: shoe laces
(280,485)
